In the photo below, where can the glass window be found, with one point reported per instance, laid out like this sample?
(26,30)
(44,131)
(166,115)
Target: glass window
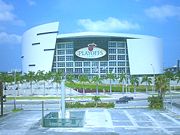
(87,70)
(127,64)
(127,70)
(60,52)
(69,58)
(103,64)
(61,58)
(61,64)
(103,70)
(121,51)
(69,64)
(121,44)
(61,46)
(121,57)
(69,45)
(69,70)
(112,51)
(121,70)
(112,70)
(112,63)
(78,70)
(69,51)
(54,64)
(112,44)
(95,63)
(112,57)
(78,64)
(121,63)
(54,58)
(87,64)
(61,70)
(95,70)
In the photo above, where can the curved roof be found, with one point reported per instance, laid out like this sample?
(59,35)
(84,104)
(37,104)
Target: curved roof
(103,34)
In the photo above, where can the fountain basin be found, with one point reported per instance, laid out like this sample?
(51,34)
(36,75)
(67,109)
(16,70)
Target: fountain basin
(75,119)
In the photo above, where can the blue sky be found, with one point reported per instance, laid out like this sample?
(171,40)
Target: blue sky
(159,18)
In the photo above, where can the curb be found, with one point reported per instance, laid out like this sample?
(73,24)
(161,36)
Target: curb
(131,107)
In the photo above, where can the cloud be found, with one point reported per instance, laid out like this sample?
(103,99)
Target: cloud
(163,12)
(7,15)
(6,38)
(108,25)
(31,2)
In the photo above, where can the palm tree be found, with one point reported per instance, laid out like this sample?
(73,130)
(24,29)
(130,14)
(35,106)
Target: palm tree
(83,79)
(134,82)
(96,99)
(70,79)
(41,77)
(30,77)
(122,79)
(177,76)
(97,80)
(111,77)
(18,80)
(147,80)
(161,83)
(170,76)
(57,78)
(6,79)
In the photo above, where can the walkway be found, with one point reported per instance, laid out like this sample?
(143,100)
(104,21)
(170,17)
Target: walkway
(98,121)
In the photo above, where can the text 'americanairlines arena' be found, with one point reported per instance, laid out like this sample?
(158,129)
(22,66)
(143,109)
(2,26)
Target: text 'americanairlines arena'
(90,52)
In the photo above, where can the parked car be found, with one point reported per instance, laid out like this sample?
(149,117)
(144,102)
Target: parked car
(129,98)
(124,99)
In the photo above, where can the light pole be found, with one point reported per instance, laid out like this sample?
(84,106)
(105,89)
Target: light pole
(1,96)
(153,88)
(14,89)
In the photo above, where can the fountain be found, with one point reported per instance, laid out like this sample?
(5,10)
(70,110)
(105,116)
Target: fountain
(64,118)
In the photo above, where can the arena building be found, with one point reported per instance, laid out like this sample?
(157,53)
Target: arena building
(43,48)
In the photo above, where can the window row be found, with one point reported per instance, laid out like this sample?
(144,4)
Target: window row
(116,44)
(62,58)
(118,51)
(64,45)
(62,52)
(88,70)
(118,57)
(79,64)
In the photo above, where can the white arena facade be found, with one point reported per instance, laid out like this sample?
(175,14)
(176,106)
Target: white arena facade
(91,53)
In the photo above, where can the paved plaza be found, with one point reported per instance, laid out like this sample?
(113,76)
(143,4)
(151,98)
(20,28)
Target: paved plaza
(98,121)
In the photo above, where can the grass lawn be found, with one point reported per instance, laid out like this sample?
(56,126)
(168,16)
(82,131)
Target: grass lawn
(50,97)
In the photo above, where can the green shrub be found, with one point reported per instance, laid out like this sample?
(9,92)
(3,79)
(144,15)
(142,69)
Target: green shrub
(155,102)
(89,105)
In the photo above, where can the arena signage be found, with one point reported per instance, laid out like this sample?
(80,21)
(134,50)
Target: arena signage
(91,52)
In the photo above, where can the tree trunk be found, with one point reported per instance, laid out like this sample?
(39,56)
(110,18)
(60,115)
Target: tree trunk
(56,89)
(134,88)
(44,89)
(31,88)
(123,87)
(96,89)
(110,87)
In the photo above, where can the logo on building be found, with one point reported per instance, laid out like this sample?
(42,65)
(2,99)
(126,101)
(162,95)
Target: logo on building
(90,52)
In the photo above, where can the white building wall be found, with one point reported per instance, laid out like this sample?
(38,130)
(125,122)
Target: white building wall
(35,54)
(145,55)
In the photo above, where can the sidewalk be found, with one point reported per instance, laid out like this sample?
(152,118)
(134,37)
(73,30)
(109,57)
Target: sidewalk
(98,122)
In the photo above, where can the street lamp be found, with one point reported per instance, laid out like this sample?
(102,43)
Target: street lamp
(15,89)
(153,88)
